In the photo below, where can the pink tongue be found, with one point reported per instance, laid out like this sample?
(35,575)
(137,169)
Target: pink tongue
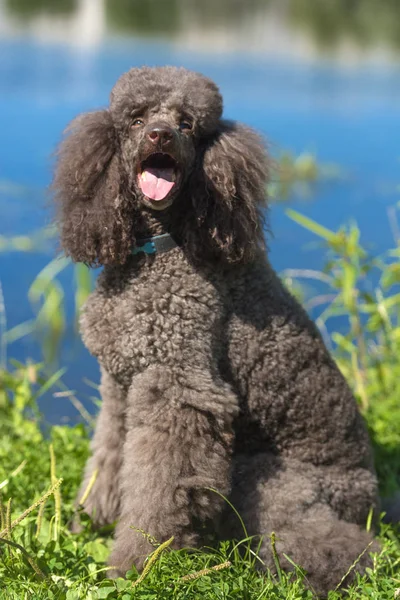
(156,183)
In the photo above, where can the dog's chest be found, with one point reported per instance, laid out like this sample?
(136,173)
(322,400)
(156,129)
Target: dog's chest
(165,316)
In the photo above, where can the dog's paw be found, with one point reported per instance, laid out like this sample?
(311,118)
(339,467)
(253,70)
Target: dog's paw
(123,558)
(102,503)
(76,526)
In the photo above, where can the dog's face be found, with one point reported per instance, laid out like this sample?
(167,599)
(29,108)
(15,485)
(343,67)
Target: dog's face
(161,117)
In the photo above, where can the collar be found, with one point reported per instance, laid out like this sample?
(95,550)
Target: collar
(157,244)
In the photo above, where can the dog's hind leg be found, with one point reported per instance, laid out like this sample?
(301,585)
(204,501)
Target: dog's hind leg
(298,502)
(178,443)
(103,501)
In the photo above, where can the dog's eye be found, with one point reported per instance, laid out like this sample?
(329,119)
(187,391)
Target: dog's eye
(185,125)
(137,123)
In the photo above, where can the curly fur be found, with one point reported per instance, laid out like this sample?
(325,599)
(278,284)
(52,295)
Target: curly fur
(213,376)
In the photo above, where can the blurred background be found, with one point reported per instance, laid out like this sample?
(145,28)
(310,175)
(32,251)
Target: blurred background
(319,78)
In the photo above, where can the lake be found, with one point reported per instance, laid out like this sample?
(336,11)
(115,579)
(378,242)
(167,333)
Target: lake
(339,98)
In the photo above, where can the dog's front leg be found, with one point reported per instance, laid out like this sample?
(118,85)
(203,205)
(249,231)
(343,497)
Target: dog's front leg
(178,443)
(104,465)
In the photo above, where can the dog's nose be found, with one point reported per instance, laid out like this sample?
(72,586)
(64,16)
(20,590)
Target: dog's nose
(161,134)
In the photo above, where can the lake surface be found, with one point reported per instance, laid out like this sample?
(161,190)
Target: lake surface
(346,110)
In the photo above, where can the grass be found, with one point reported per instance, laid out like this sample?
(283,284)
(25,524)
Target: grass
(41,559)
(41,467)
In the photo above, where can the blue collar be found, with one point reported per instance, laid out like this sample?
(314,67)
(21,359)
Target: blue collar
(158,243)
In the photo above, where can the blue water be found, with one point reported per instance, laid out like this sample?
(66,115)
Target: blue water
(349,116)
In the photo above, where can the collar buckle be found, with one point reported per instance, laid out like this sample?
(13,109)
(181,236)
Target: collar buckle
(157,244)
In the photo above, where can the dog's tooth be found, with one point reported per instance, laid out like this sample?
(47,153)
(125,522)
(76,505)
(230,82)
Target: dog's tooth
(143,175)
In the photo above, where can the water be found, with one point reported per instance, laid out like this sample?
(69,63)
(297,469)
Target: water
(344,104)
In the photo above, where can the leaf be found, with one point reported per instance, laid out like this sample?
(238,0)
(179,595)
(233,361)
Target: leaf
(50,382)
(98,550)
(46,275)
(83,282)
(343,343)
(22,393)
(19,331)
(313,226)
(392,301)
(106,591)
(348,286)
(51,313)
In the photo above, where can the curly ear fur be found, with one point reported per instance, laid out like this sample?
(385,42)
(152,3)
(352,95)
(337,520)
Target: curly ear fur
(94,215)
(229,195)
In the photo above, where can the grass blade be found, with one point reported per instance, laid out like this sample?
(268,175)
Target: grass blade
(313,226)
(50,382)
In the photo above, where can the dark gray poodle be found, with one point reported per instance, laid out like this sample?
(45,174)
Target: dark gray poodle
(213,376)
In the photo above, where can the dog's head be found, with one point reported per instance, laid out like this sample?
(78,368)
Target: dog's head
(162,148)
(160,115)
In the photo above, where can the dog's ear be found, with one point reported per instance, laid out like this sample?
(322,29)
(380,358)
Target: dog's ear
(93,213)
(229,204)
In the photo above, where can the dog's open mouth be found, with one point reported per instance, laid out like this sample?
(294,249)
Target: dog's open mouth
(157,176)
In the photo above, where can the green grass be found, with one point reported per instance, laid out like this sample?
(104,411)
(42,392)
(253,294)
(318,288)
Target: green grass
(41,559)
(57,564)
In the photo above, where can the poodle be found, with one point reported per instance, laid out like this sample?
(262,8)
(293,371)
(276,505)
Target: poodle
(213,377)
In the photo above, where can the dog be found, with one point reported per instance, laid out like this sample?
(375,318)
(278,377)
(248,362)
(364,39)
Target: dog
(213,377)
